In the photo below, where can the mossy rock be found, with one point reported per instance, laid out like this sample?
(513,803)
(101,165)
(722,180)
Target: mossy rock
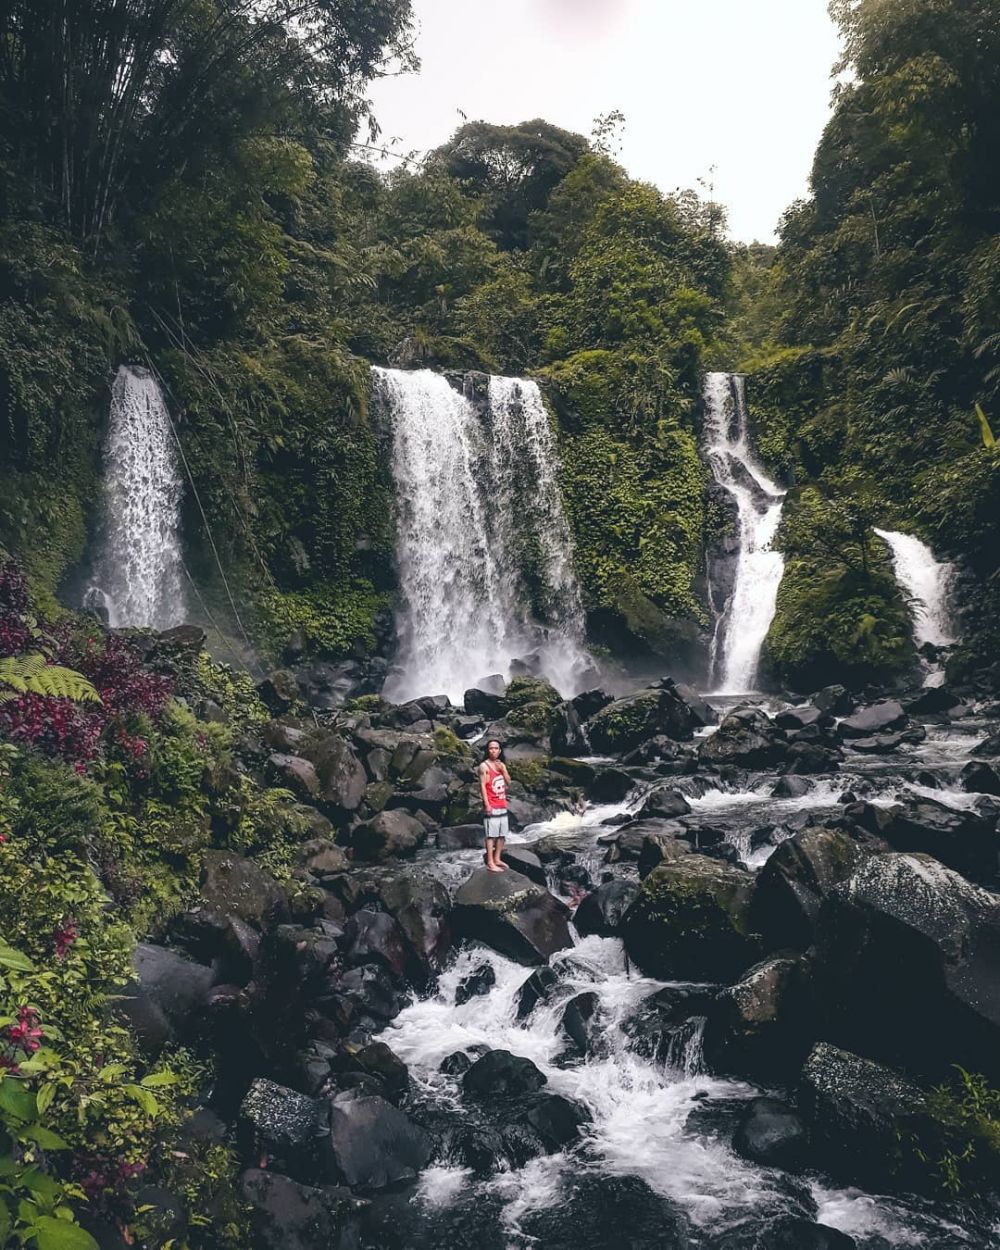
(531,703)
(450,746)
(532,774)
(690,921)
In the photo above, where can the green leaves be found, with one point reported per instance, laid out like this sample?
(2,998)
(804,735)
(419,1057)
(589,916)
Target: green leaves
(32,674)
(14,959)
(51,1233)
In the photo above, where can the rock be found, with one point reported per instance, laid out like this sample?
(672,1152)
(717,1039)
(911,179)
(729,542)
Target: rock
(797,877)
(611,785)
(372,937)
(872,720)
(908,966)
(279,690)
(790,788)
(232,885)
(932,701)
(288,1127)
(455,1064)
(989,747)
(627,722)
(486,697)
(964,840)
(385,1067)
(499,1074)
(597,1212)
(167,998)
(513,915)
(665,803)
(295,774)
(834,699)
(798,717)
(460,837)
(882,744)
(762,1025)
(690,921)
(554,1122)
(589,702)
(602,910)
(772,1134)
(980,778)
(785,1232)
(525,862)
(567,736)
(657,849)
(342,776)
(810,758)
(702,712)
(422,909)
(535,990)
(288,1216)
(476,984)
(322,857)
(374,1144)
(747,738)
(856,1111)
(578,1020)
(388,833)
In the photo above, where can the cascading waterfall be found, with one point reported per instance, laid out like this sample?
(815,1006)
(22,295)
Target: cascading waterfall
(928,583)
(483,547)
(742,625)
(138,572)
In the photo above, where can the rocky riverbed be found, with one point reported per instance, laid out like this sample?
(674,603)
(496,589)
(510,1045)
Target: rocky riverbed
(736,947)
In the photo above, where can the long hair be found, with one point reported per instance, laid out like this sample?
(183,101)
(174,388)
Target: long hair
(486,752)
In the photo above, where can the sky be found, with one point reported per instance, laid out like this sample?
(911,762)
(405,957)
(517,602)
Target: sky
(739,85)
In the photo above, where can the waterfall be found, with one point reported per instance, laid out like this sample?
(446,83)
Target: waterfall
(742,625)
(927,582)
(483,547)
(138,571)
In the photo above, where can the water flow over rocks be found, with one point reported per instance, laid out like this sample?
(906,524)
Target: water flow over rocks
(138,573)
(743,619)
(928,582)
(483,547)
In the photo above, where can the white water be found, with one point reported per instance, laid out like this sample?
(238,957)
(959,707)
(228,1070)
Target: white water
(745,619)
(482,539)
(138,572)
(927,582)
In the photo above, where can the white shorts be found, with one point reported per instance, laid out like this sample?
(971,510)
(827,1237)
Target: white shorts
(495,826)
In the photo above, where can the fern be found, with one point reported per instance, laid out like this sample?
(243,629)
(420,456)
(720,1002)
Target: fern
(30,674)
(985,429)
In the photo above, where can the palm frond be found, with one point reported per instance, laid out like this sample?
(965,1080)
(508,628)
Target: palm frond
(31,674)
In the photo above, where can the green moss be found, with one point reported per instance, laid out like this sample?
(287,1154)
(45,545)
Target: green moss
(333,617)
(529,773)
(448,744)
(42,518)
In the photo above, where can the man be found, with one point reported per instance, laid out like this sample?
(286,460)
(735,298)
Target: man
(493,782)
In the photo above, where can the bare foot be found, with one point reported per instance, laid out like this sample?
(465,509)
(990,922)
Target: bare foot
(493,868)
(502,866)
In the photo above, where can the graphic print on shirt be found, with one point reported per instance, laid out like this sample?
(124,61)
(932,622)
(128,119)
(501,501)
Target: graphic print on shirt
(496,791)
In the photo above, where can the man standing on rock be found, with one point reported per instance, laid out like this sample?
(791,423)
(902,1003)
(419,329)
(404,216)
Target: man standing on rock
(493,782)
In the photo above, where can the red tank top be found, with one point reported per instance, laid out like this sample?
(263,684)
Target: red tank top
(496,789)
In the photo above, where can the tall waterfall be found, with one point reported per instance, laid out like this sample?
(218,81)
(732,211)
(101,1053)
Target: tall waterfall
(743,621)
(138,571)
(927,582)
(483,546)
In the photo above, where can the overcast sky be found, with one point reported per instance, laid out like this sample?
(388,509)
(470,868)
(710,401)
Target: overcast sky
(743,85)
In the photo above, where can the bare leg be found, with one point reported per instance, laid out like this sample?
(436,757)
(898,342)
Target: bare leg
(499,844)
(491,855)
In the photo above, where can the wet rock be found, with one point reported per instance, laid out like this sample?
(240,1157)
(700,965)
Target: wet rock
(513,915)
(499,1074)
(476,984)
(487,696)
(421,907)
(542,1124)
(748,738)
(455,1064)
(279,690)
(660,848)
(294,773)
(980,778)
(875,719)
(373,937)
(288,1127)
(536,989)
(288,1216)
(834,699)
(988,748)
(168,997)
(668,1021)
(797,877)
(627,722)
(611,785)
(578,1020)
(856,1111)
(772,1134)
(460,837)
(567,735)
(383,1067)
(372,992)
(374,1144)
(908,966)
(963,840)
(232,885)
(690,920)
(763,1024)
(596,1212)
(387,834)
(932,701)
(810,758)
(589,702)
(790,788)
(702,711)
(798,717)
(785,1232)
(882,744)
(342,776)
(525,862)
(602,910)
(665,803)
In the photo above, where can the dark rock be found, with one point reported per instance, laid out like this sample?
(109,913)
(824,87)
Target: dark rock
(980,778)
(168,997)
(460,837)
(487,698)
(288,1216)
(988,748)
(665,803)
(372,991)
(525,862)
(234,886)
(785,1232)
(376,1060)
(790,788)
(932,701)
(288,1127)
(279,690)
(476,984)
(602,910)
(599,1212)
(798,717)
(372,937)
(387,834)
(703,712)
(748,738)
(877,718)
(342,776)
(422,909)
(772,1134)
(322,857)
(578,1020)
(627,722)
(535,989)
(611,785)
(455,1064)
(374,1144)
(856,1111)
(964,840)
(552,1120)
(295,773)
(762,1025)
(499,1074)
(811,758)
(566,733)
(834,699)
(792,885)
(513,915)
(659,848)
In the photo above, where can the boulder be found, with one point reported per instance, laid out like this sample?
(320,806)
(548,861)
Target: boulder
(856,1112)
(785,1232)
(747,738)
(285,1215)
(342,776)
(295,774)
(373,937)
(835,700)
(388,833)
(627,722)
(602,910)
(167,998)
(536,989)
(279,690)
(702,711)
(486,697)
(762,1025)
(963,840)
(596,1212)
(567,735)
(499,1074)
(460,837)
(476,984)
(665,803)
(772,1134)
(422,909)
(374,1144)
(875,719)
(578,1020)
(232,885)
(690,921)
(793,718)
(933,701)
(908,966)
(513,915)
(526,862)
(657,849)
(286,1126)
(980,778)
(797,877)
(611,785)
(790,787)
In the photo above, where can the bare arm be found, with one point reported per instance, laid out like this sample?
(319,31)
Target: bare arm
(482,784)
